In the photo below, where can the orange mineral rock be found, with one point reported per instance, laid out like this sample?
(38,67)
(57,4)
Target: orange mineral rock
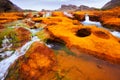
(9,17)
(35,64)
(23,35)
(90,39)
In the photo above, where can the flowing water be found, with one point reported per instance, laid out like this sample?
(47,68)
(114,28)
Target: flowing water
(5,64)
(68,14)
(88,22)
(91,68)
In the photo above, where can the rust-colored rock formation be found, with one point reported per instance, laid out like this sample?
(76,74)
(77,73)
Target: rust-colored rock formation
(36,64)
(79,15)
(56,20)
(23,35)
(108,18)
(91,40)
(9,17)
(1,26)
(58,13)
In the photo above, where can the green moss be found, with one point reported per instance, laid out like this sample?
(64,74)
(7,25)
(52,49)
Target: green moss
(42,35)
(11,34)
(66,49)
(16,23)
(13,73)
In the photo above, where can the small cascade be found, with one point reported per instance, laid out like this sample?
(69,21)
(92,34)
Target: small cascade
(115,33)
(87,18)
(47,14)
(5,44)
(34,31)
(14,55)
(5,64)
(88,22)
(5,50)
(68,14)
(98,24)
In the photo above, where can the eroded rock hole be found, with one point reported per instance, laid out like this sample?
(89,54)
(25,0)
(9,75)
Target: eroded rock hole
(55,44)
(101,34)
(83,32)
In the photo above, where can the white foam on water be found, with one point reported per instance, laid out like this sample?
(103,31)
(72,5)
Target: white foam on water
(68,14)
(116,33)
(5,64)
(88,22)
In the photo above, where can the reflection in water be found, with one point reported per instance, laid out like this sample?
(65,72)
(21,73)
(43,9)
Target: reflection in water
(86,67)
(88,22)
(56,45)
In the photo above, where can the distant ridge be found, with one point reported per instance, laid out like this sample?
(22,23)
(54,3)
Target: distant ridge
(74,8)
(111,4)
(8,6)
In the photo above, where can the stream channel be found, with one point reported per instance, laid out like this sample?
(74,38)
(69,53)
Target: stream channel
(90,66)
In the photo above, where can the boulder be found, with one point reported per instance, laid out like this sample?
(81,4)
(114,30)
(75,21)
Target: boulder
(37,63)
(23,35)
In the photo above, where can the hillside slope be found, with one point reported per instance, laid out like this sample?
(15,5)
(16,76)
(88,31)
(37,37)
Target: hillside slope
(111,4)
(8,6)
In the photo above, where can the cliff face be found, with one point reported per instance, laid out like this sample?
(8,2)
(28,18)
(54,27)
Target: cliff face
(67,7)
(74,8)
(8,6)
(83,7)
(111,4)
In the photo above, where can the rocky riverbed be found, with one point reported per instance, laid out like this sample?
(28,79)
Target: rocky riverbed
(59,46)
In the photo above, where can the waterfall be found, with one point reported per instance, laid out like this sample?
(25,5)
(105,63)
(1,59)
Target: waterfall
(87,18)
(88,22)
(98,24)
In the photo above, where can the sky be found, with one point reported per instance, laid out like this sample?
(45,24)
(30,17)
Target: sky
(55,4)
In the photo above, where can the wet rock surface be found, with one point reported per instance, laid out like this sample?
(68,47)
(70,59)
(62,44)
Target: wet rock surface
(42,63)
(10,17)
(37,62)
(83,32)
(109,18)
(96,44)
(54,44)
(23,35)
(101,34)
(68,58)
(1,26)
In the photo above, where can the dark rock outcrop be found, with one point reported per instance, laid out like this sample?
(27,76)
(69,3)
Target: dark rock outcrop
(68,7)
(74,8)
(111,4)
(8,6)
(83,7)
